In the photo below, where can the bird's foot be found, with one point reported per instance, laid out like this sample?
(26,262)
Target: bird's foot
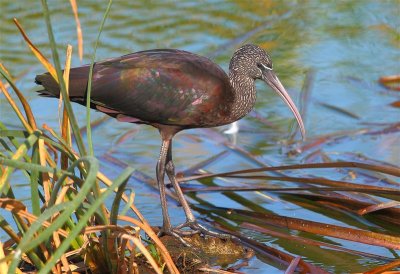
(194,228)
(197,228)
(171,232)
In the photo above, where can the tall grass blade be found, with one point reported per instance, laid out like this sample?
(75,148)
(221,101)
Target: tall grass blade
(65,125)
(56,59)
(16,164)
(89,87)
(24,102)
(14,106)
(83,221)
(34,179)
(42,59)
(30,240)
(78,28)
(21,151)
(3,264)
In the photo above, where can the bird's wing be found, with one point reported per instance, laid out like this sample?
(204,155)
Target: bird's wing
(163,86)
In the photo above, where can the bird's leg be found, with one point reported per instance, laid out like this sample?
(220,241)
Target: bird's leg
(170,169)
(160,172)
(190,219)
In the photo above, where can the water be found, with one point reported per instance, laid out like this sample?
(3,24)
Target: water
(345,46)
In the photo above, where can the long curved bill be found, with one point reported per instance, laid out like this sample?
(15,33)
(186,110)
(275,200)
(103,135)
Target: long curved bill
(272,80)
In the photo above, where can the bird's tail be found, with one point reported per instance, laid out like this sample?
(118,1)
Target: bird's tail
(51,88)
(78,80)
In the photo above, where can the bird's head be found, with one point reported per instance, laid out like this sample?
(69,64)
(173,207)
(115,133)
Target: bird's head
(253,62)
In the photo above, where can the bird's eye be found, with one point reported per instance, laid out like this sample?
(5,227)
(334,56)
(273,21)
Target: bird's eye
(263,67)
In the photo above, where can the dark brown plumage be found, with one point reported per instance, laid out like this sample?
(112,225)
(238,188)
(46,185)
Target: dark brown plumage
(173,90)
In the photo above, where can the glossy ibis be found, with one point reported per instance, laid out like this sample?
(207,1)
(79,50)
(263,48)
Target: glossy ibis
(173,90)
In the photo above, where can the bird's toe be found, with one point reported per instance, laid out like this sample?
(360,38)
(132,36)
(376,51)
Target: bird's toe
(196,228)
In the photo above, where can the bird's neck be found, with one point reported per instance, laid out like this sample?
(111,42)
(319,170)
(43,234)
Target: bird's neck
(244,94)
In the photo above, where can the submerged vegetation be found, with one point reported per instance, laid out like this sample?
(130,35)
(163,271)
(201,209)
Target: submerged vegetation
(77,220)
